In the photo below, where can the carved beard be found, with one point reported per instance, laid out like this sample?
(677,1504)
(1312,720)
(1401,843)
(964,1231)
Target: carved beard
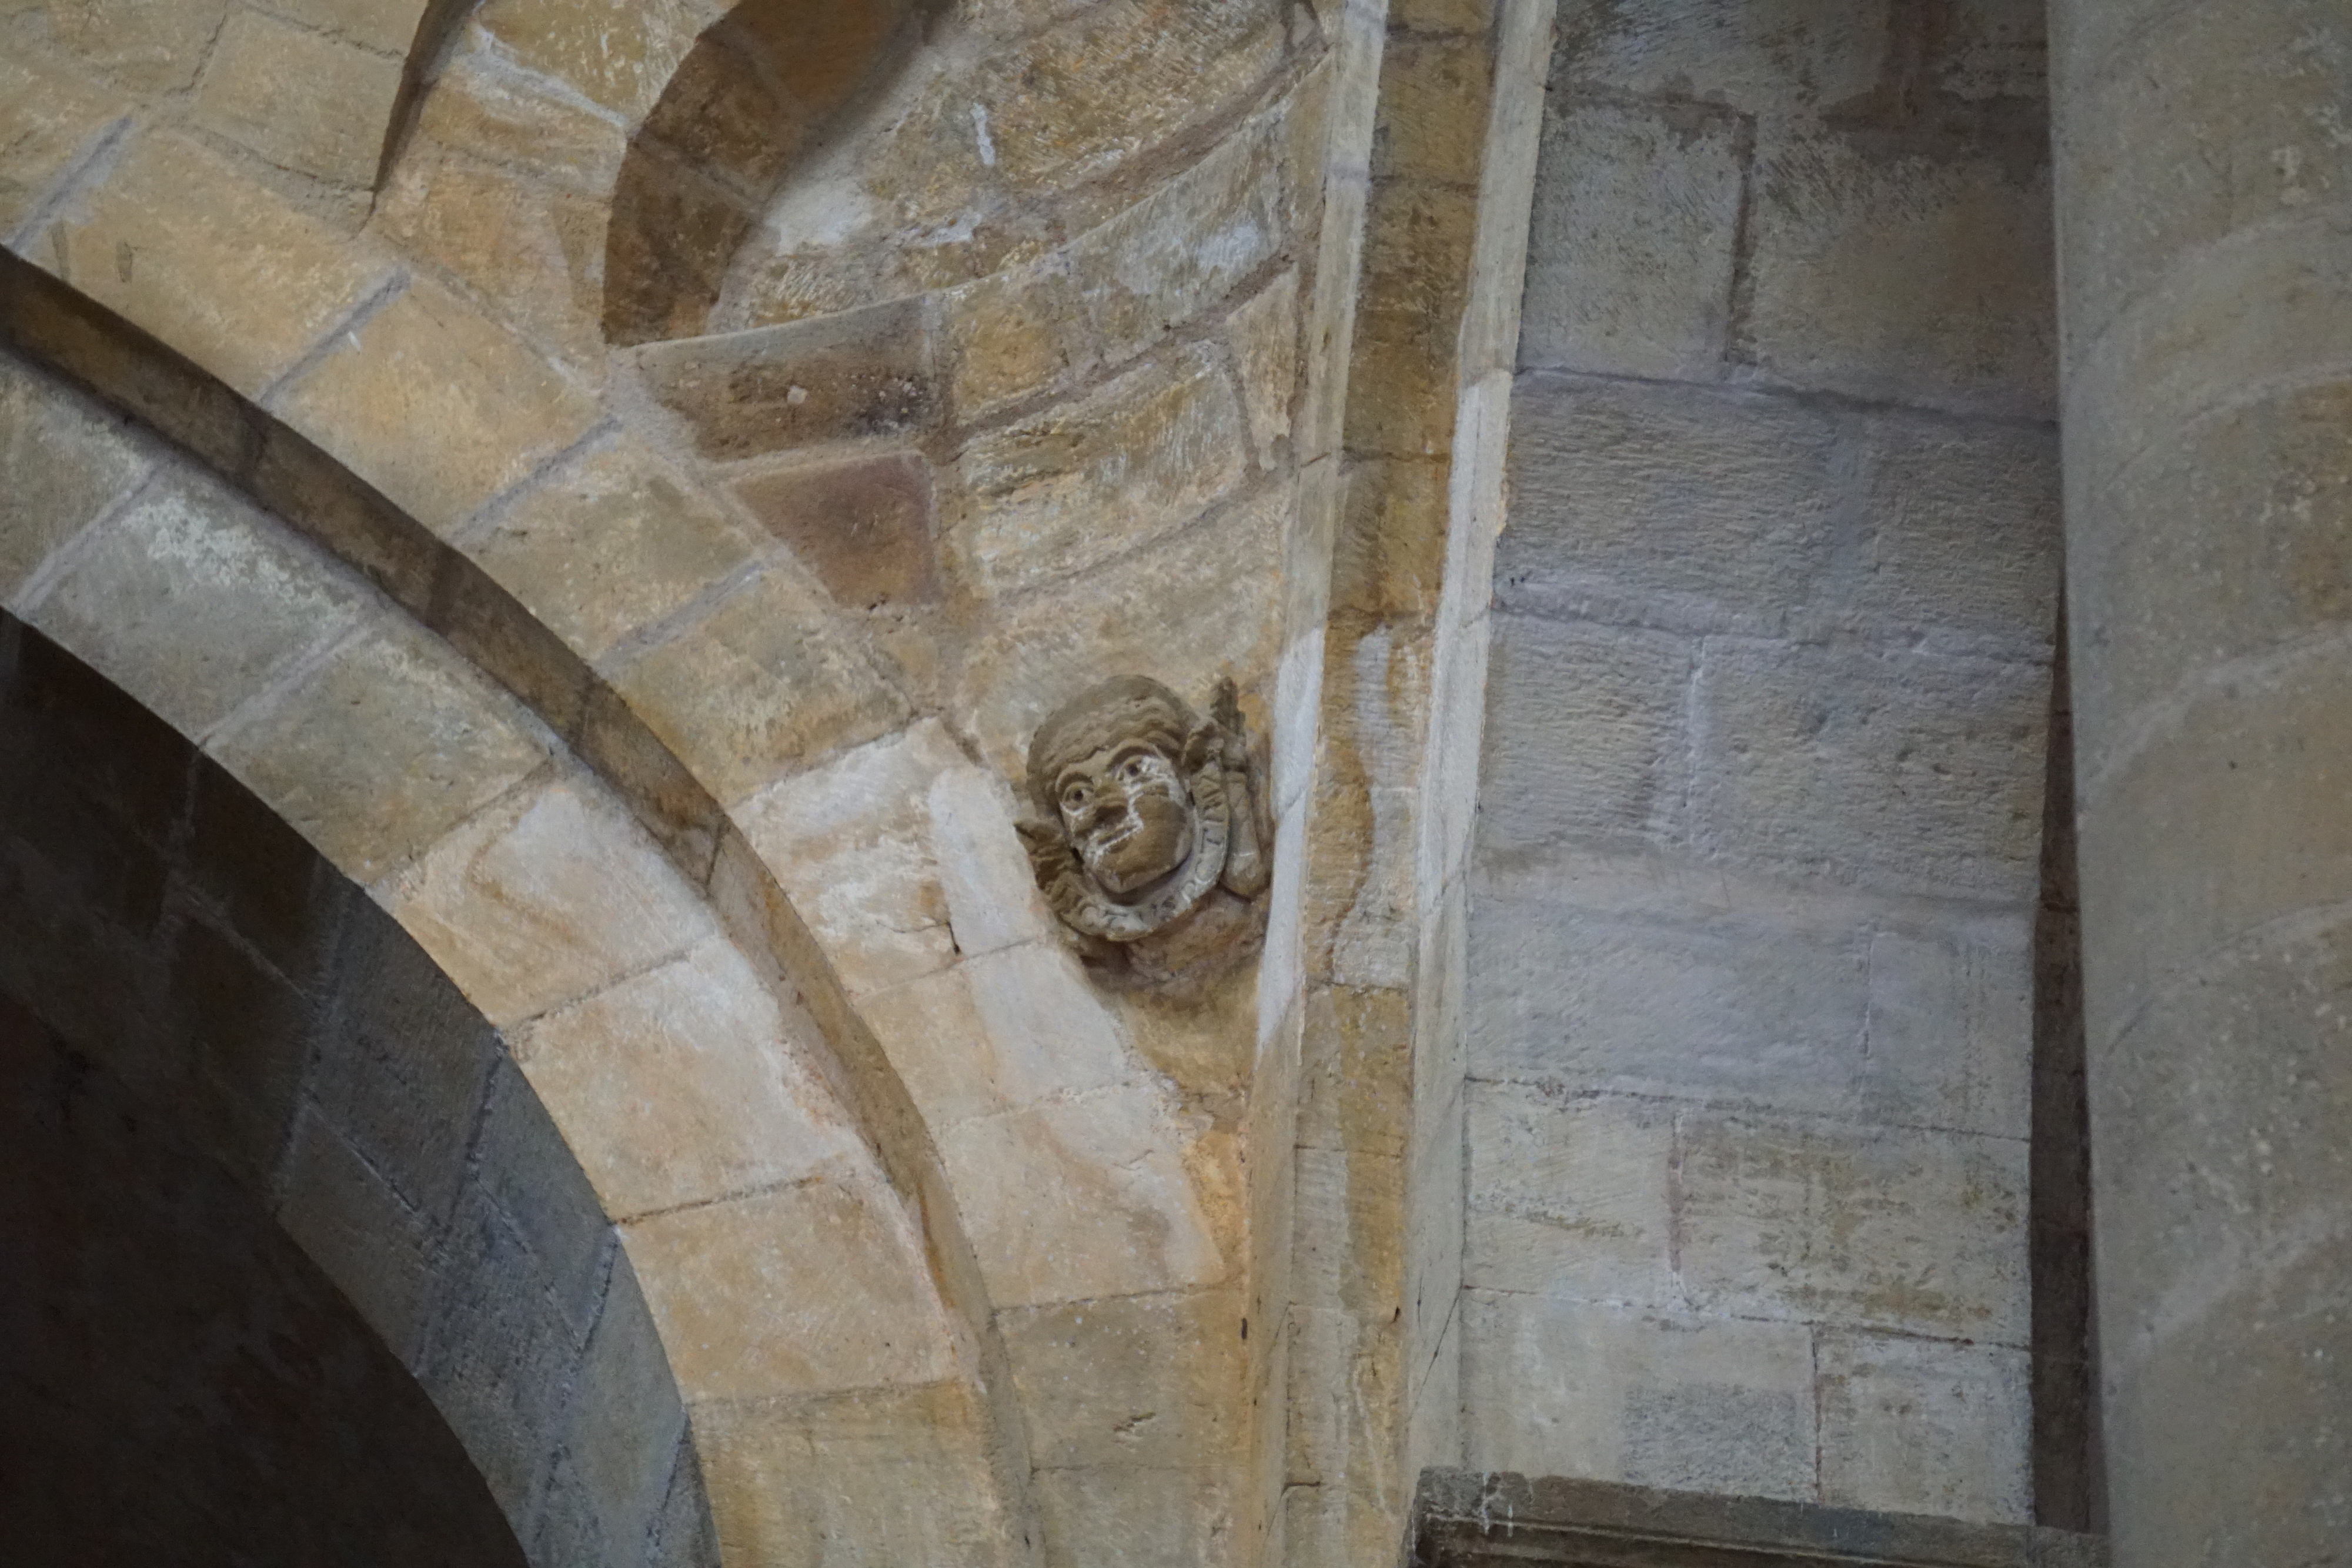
(1147,841)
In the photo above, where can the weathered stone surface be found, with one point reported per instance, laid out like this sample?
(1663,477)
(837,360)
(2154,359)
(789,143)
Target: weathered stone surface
(1949,1014)
(858,373)
(1685,507)
(1433,104)
(1700,1404)
(1163,1517)
(195,599)
(1570,1198)
(49,116)
(1264,333)
(382,748)
(622,1431)
(1356,1088)
(387,26)
(744,1318)
(763,681)
(147,46)
(1013,334)
(66,463)
(428,361)
(1899,770)
(1630,253)
(1074,487)
(863,525)
(1908,279)
(189,248)
(1926,1427)
(618,59)
(1140,1381)
(737,1109)
(302,100)
(933,1035)
(1770,59)
(554,893)
(373,1246)
(609,545)
(525,1168)
(1914,1232)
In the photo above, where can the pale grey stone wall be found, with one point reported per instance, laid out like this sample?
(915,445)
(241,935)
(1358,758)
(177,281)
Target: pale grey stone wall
(1750,1039)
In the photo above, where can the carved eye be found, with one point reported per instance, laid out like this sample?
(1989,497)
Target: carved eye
(1075,797)
(1133,771)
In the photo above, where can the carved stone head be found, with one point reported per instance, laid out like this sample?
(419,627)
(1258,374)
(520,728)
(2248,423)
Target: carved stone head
(1146,807)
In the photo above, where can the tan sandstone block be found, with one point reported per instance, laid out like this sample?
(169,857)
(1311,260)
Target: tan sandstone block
(763,681)
(1263,332)
(382,748)
(932,1033)
(503,116)
(682,1086)
(1148,1380)
(1074,487)
(302,100)
(195,600)
(149,46)
(856,374)
(552,894)
(811,1288)
(65,463)
(49,116)
(436,405)
(1433,98)
(386,26)
(863,526)
(610,544)
(621,57)
(189,248)
(1013,334)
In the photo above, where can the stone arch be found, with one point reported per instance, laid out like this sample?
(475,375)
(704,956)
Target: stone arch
(554,860)
(758,92)
(177,933)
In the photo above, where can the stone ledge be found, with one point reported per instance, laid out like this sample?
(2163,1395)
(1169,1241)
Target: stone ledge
(1469,1518)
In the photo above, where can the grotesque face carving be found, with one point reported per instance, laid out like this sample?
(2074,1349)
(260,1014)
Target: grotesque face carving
(1148,805)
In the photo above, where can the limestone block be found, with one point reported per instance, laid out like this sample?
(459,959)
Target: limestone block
(747,1317)
(850,842)
(1570,1197)
(1993,50)
(620,58)
(371,1245)
(932,1034)
(1356,1089)
(1686,507)
(388,26)
(1630,248)
(621,1434)
(2236,797)
(1124,1517)
(1073,487)
(382,748)
(1902,277)
(1434,107)
(1586,736)
(499,1361)
(854,374)
(187,247)
(680,1085)
(150,47)
(1905,1231)
(1693,1403)
(284,902)
(1400,382)
(1772,60)
(428,361)
(404,1065)
(1187,246)
(1964,531)
(762,681)
(550,896)
(2179,135)
(1081,1197)
(863,525)
(684,1535)
(479,107)
(49,116)
(1951,1030)
(527,1170)
(1346,1387)
(2278,469)
(1898,770)
(608,544)
(1348,1246)
(1389,560)
(1202,604)
(65,463)
(1044,1032)
(304,100)
(992,890)
(195,599)
(875,1476)
(1079,101)
(1143,1381)
(1013,334)
(533,249)
(1263,332)
(1917,1426)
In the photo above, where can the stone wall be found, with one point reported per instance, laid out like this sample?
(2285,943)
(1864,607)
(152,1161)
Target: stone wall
(1750,952)
(310,1065)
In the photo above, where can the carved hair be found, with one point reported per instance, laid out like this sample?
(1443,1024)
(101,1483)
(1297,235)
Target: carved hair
(1126,707)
